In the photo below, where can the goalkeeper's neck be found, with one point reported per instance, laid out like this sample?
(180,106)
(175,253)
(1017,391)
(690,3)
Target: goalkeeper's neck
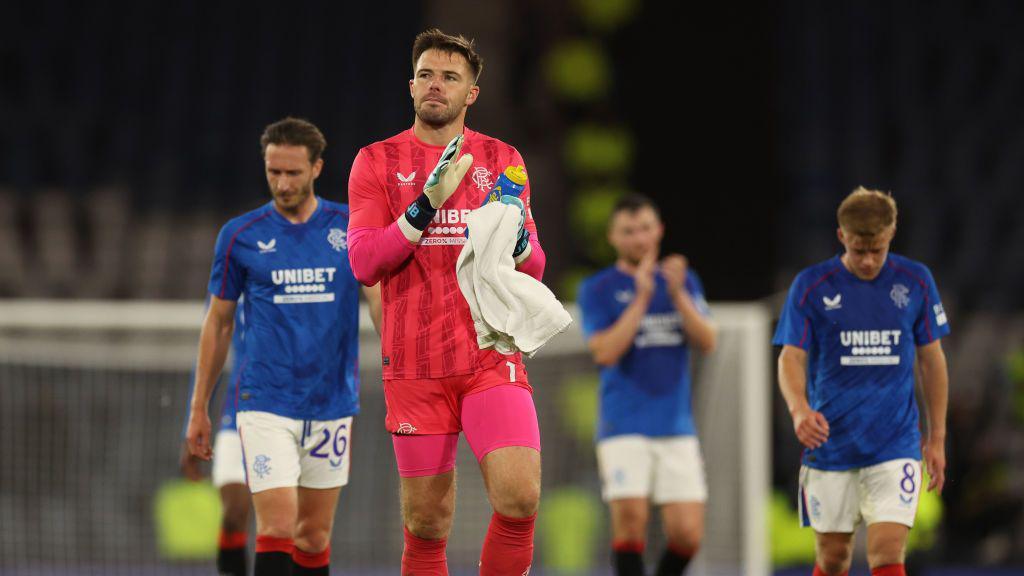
(439,135)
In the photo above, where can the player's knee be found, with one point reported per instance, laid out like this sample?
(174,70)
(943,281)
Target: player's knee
(687,540)
(432,523)
(518,500)
(834,558)
(834,555)
(631,523)
(235,518)
(834,567)
(277,530)
(311,539)
(886,552)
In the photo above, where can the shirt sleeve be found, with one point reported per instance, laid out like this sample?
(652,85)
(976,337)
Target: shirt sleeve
(597,315)
(795,328)
(367,197)
(931,322)
(373,252)
(696,290)
(227,276)
(525,195)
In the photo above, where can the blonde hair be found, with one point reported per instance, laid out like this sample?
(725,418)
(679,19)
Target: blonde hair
(867,212)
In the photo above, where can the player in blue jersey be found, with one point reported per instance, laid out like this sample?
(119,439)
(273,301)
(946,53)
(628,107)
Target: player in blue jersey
(640,319)
(228,473)
(850,332)
(297,384)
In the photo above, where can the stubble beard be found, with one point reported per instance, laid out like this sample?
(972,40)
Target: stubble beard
(438,118)
(292,202)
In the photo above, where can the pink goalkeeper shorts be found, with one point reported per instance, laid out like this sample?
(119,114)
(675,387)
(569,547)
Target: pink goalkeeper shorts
(493,418)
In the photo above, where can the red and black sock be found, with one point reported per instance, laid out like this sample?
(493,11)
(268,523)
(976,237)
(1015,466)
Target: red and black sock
(819,572)
(311,564)
(889,570)
(423,557)
(273,556)
(628,558)
(231,553)
(673,562)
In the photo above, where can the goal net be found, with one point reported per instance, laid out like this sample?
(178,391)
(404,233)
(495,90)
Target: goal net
(93,399)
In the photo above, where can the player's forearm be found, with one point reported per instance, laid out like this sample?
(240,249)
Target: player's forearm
(700,330)
(534,264)
(793,379)
(373,252)
(611,344)
(214,343)
(935,385)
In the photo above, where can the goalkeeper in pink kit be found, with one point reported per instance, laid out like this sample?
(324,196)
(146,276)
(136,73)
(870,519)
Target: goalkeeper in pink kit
(410,196)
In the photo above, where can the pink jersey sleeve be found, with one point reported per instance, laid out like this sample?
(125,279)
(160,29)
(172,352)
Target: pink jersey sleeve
(534,264)
(375,243)
(531,225)
(367,197)
(373,252)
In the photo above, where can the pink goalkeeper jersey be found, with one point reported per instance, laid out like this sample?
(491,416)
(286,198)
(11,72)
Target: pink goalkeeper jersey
(427,328)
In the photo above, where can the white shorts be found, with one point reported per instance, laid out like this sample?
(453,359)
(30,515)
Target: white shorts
(836,501)
(664,469)
(228,467)
(283,452)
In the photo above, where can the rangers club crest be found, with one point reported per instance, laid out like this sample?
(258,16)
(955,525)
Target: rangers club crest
(482,178)
(900,295)
(336,238)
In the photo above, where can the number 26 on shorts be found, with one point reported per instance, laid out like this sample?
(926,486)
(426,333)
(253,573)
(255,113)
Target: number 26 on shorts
(338,446)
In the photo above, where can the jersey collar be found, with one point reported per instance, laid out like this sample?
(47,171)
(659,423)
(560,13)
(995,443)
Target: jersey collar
(466,132)
(851,277)
(279,219)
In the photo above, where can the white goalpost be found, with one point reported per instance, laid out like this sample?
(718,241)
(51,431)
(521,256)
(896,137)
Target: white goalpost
(93,398)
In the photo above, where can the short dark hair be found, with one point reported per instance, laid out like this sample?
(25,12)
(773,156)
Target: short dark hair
(435,39)
(295,132)
(633,202)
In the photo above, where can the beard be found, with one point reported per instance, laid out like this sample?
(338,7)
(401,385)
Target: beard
(291,201)
(434,116)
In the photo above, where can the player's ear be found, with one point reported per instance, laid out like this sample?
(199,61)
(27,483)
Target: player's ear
(411,81)
(317,167)
(474,92)
(839,235)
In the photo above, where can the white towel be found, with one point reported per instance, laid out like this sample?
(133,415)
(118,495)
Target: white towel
(511,310)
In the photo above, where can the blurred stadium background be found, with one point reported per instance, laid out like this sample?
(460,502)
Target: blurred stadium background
(129,135)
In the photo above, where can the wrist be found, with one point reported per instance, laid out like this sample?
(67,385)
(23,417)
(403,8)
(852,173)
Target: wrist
(522,256)
(644,296)
(420,213)
(800,407)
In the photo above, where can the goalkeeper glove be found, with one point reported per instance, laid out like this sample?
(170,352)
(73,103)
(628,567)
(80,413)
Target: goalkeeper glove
(522,248)
(440,186)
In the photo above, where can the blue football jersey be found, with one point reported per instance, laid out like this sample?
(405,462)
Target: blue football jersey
(861,339)
(301,307)
(648,391)
(229,409)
